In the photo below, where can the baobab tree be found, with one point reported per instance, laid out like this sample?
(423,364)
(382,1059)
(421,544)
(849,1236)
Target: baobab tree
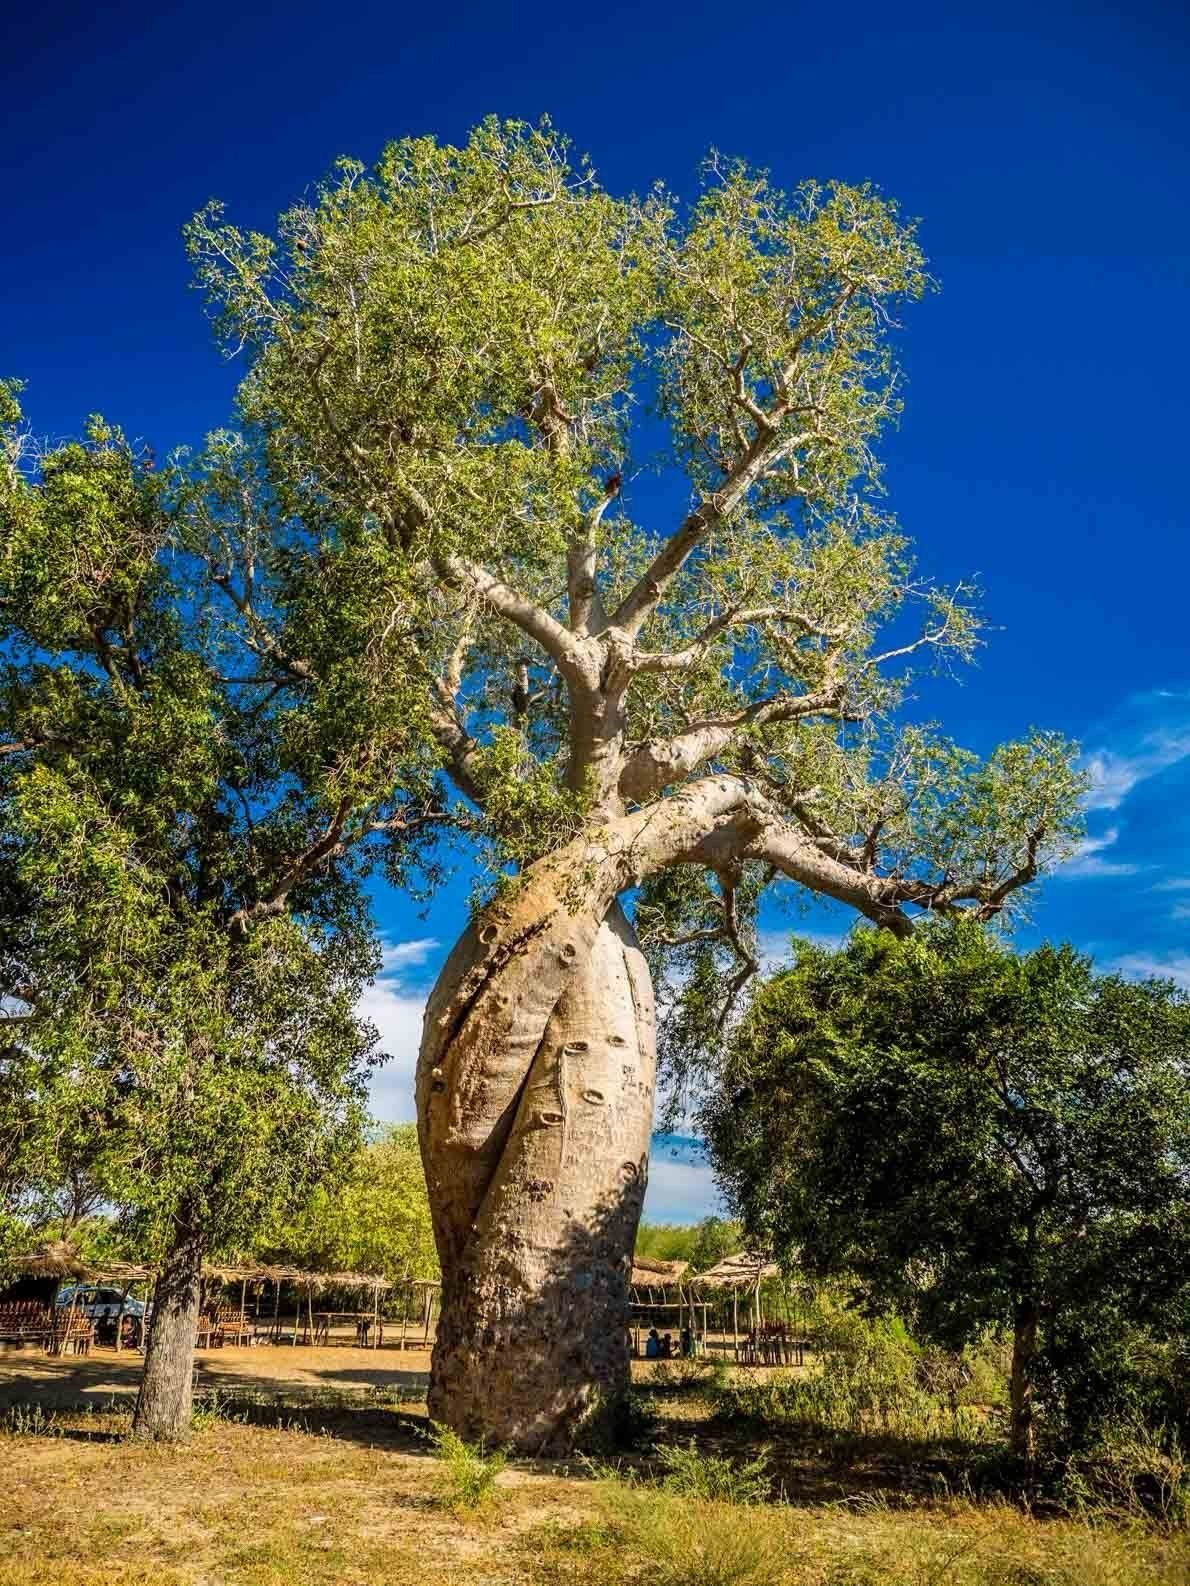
(652,699)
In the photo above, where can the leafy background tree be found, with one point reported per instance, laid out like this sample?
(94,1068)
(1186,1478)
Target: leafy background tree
(377,1219)
(186,931)
(979,1139)
(702,1244)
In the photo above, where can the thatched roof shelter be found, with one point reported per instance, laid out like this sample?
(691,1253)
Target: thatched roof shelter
(744,1270)
(650,1273)
(56,1259)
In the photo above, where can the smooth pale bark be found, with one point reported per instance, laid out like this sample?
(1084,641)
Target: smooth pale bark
(534,1101)
(1024,1356)
(165,1401)
(533,1330)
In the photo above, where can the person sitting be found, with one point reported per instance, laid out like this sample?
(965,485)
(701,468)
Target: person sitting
(652,1345)
(667,1347)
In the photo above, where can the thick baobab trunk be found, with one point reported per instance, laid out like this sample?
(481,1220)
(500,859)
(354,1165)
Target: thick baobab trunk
(1024,1357)
(550,1151)
(534,1107)
(163,1406)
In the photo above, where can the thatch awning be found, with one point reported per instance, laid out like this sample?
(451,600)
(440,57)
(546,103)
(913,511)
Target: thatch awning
(650,1273)
(742,1271)
(60,1260)
(57,1259)
(233,1272)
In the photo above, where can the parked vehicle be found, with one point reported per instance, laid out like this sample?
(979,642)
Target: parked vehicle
(101,1303)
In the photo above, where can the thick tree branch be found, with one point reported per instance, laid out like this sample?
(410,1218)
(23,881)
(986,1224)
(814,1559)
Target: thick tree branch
(658,763)
(563,647)
(585,606)
(642,600)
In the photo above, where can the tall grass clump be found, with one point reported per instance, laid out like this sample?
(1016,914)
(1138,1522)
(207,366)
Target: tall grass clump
(468,1475)
(689,1473)
(1134,1472)
(647,1536)
(869,1378)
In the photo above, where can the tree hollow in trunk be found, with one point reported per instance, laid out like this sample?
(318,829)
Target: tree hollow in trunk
(536,1183)
(165,1401)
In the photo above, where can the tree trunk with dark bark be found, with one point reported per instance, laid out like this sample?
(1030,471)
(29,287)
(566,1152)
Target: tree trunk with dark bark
(537,1171)
(163,1406)
(1024,1356)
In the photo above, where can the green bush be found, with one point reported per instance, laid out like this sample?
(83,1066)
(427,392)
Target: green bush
(869,1378)
(692,1474)
(467,1481)
(1135,1472)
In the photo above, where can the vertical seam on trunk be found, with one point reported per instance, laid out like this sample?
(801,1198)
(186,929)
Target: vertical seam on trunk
(518,1100)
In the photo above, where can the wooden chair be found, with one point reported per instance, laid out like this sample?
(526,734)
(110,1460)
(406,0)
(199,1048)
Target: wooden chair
(26,1321)
(233,1325)
(210,1335)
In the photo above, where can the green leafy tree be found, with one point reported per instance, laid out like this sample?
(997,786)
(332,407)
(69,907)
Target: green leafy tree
(714,1238)
(447,357)
(184,934)
(376,1220)
(978,1138)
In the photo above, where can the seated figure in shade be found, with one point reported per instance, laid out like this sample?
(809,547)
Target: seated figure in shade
(667,1347)
(652,1345)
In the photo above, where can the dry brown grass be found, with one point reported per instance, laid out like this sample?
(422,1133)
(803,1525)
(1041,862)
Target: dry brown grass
(250,1505)
(350,1495)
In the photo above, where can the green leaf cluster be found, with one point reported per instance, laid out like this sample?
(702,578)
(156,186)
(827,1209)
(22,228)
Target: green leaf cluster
(968,1132)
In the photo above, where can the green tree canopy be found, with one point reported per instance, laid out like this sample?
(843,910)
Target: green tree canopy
(976,1137)
(377,1219)
(181,945)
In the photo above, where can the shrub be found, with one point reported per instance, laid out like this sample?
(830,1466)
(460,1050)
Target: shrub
(687,1377)
(1134,1472)
(693,1474)
(467,1480)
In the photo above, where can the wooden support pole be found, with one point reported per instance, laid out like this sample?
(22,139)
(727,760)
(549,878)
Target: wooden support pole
(120,1318)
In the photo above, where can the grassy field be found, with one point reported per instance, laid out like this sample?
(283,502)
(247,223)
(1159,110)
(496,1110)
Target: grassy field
(332,1486)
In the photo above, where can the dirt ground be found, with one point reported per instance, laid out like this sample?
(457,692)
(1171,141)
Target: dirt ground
(356,1498)
(263,1370)
(103,1375)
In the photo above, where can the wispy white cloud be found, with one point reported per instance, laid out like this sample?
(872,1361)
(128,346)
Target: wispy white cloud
(1115,771)
(1173,884)
(1088,861)
(397,1010)
(399,955)
(1162,966)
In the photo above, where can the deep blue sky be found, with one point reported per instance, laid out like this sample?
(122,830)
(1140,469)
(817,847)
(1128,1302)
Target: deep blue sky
(1044,444)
